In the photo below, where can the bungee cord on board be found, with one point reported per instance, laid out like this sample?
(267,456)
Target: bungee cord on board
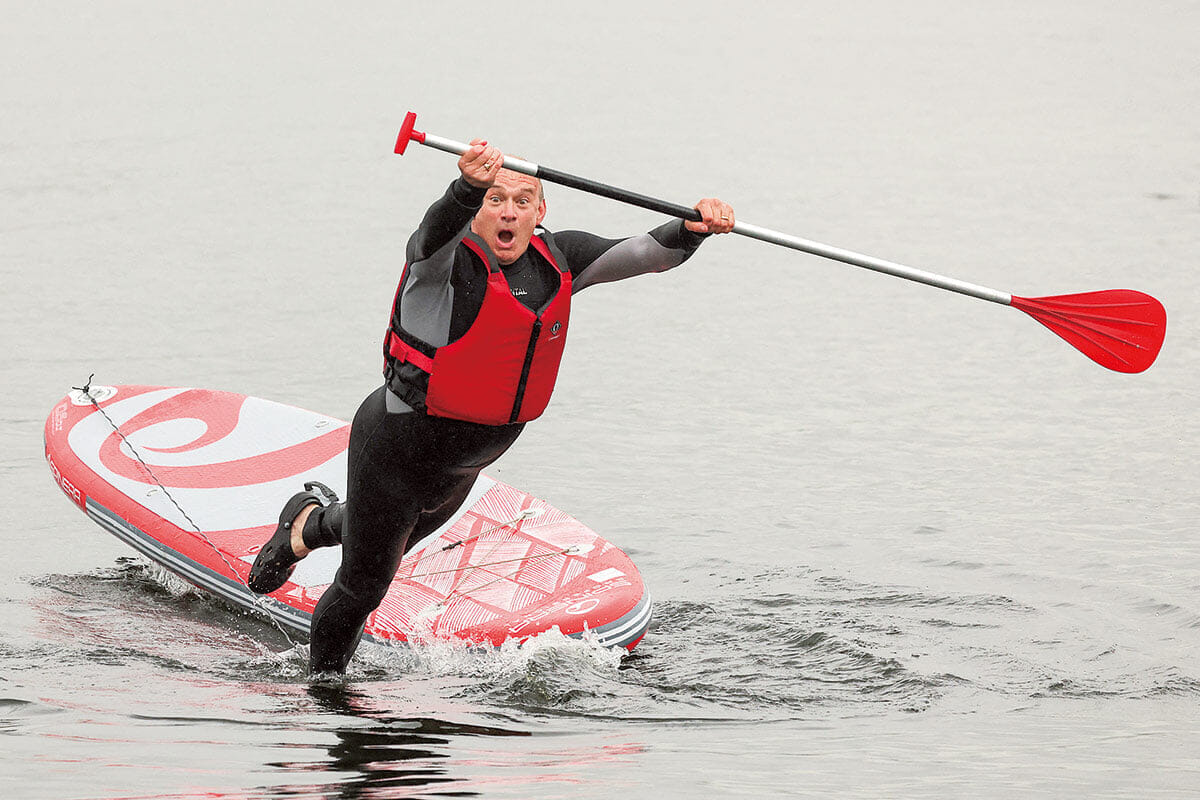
(528,513)
(470,569)
(258,600)
(565,552)
(456,592)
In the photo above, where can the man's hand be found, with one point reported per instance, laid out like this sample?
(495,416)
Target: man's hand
(716,217)
(480,163)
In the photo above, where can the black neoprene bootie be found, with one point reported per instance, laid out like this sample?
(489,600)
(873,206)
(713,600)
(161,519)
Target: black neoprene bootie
(276,559)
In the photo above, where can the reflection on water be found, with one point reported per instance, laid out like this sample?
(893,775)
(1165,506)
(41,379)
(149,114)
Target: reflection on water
(389,752)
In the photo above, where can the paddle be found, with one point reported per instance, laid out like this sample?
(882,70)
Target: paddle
(1121,329)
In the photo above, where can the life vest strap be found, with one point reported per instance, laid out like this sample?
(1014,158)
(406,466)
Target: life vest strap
(403,352)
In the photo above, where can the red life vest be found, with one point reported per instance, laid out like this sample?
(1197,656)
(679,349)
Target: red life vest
(502,370)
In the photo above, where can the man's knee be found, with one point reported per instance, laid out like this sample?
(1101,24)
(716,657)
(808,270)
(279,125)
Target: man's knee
(366,587)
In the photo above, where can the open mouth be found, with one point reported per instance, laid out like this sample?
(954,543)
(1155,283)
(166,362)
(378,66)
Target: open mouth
(505,237)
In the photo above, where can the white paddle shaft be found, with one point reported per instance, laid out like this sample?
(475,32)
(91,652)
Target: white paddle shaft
(745,229)
(458,148)
(872,263)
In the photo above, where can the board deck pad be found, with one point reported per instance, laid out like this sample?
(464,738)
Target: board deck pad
(194,480)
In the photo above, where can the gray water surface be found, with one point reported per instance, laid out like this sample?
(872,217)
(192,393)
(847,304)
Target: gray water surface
(903,543)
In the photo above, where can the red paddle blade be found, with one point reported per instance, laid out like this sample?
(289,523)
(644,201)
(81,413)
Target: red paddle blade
(1117,328)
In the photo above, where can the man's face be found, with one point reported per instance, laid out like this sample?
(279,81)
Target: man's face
(512,208)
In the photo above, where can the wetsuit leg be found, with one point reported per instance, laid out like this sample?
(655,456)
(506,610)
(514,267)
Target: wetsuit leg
(407,473)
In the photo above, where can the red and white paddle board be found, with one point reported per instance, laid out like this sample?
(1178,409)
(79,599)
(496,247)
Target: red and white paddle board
(194,479)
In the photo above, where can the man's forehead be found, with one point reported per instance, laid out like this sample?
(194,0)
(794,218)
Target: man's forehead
(515,182)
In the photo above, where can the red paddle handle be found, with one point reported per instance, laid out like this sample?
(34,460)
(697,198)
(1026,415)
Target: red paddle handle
(407,133)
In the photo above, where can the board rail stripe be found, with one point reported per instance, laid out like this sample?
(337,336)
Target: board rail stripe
(618,633)
(193,573)
(628,628)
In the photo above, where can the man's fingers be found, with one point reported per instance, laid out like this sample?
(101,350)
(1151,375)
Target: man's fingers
(716,216)
(725,218)
(480,163)
(490,158)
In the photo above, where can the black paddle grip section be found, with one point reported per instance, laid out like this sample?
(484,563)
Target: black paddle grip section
(613,193)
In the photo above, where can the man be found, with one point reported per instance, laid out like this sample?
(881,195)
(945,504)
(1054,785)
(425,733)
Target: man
(477,330)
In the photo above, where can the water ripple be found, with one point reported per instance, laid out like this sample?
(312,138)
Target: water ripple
(767,646)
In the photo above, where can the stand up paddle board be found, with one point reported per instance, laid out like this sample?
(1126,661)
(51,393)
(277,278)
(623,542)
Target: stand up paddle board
(194,480)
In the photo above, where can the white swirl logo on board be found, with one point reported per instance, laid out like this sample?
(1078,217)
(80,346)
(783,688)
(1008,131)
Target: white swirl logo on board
(582,607)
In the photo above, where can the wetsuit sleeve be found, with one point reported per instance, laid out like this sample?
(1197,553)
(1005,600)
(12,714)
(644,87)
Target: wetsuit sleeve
(427,301)
(445,220)
(593,259)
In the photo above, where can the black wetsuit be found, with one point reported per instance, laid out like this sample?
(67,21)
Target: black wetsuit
(408,472)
